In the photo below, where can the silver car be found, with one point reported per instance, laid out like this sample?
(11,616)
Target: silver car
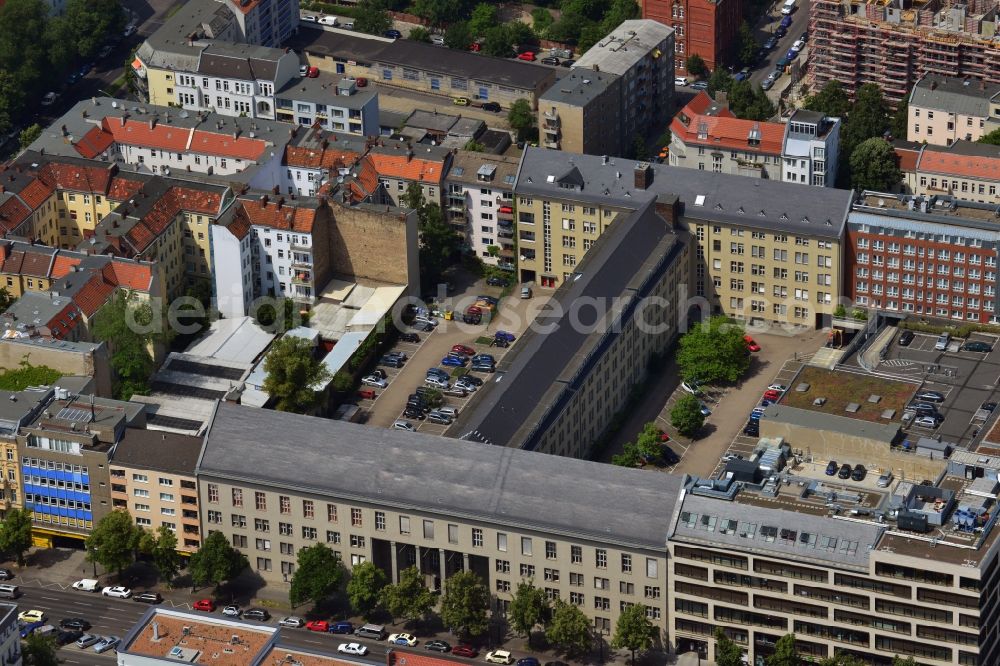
(292,621)
(107,643)
(87,640)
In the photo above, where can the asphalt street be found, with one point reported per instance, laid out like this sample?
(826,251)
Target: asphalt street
(765,29)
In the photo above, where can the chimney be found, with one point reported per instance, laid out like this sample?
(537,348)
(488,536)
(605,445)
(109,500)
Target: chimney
(933,85)
(281,202)
(65,130)
(263,200)
(152,123)
(668,206)
(123,121)
(643,176)
(156,631)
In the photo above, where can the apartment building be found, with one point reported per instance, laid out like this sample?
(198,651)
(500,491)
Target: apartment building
(334,103)
(859,42)
(313,157)
(265,482)
(765,251)
(945,109)
(480,204)
(707,28)
(638,52)
(932,256)
(10,637)
(152,477)
(265,22)
(21,408)
(393,165)
(65,455)
(575,372)
(810,149)
(966,170)
(581,113)
(422,67)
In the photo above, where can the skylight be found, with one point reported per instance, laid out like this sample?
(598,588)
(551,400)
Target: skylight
(699,200)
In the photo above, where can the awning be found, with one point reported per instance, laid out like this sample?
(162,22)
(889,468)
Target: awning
(139,68)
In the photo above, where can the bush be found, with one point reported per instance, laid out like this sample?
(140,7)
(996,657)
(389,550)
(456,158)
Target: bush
(956,330)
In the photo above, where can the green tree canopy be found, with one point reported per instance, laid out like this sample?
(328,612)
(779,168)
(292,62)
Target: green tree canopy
(648,446)
(216,561)
(727,652)
(569,628)
(541,20)
(841,659)
(123,323)
(419,34)
(90,21)
(464,604)
(696,66)
(521,117)
(713,352)
(438,244)
(113,541)
(318,572)
(528,608)
(831,100)
(40,650)
(747,51)
(784,652)
(720,79)
(874,166)
(458,36)
(293,372)
(903,661)
(686,415)
(372,17)
(634,631)
(900,118)
(484,17)
(15,534)
(409,598)
(992,138)
(162,547)
(437,11)
(365,587)
(619,11)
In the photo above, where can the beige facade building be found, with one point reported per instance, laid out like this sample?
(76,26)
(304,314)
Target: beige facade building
(152,477)
(965,170)
(946,109)
(582,112)
(764,251)
(274,483)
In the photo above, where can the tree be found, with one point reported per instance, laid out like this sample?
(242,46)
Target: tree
(40,650)
(24,47)
(831,100)
(712,352)
(993,138)
(29,135)
(15,534)
(113,541)
(527,608)
(437,11)
(748,46)
(727,652)
(841,659)
(541,20)
(267,316)
(646,448)
(618,12)
(464,604)
(293,373)
(89,22)
(634,631)
(874,166)
(484,17)
(458,36)
(474,146)
(317,574)
(419,34)
(164,553)
(365,587)
(901,661)
(869,117)
(216,561)
(521,117)
(686,415)
(413,197)
(784,652)
(438,243)
(900,118)
(569,628)
(409,598)
(695,65)
(720,79)
(372,17)
(131,360)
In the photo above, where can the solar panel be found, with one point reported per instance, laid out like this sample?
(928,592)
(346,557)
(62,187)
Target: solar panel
(174,422)
(196,368)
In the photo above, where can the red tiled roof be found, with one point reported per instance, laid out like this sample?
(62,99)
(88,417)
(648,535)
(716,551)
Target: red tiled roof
(13,212)
(701,103)
(94,142)
(240,225)
(128,274)
(93,294)
(79,178)
(326,158)
(200,201)
(368,175)
(62,264)
(406,168)
(61,323)
(970,166)
(36,264)
(36,192)
(123,188)
(287,217)
(907,159)
(214,143)
(178,139)
(730,133)
(12,262)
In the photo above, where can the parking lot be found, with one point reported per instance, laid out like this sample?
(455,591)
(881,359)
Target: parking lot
(967,379)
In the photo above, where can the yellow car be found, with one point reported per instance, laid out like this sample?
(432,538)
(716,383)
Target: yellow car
(30,616)
(460,101)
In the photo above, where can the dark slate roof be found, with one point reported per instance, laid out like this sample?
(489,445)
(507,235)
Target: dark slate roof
(437,475)
(158,451)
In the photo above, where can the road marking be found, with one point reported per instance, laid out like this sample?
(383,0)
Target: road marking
(49,598)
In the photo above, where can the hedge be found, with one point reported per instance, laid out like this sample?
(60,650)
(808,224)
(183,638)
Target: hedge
(956,330)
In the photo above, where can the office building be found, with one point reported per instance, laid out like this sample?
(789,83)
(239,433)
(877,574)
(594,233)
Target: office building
(480,204)
(581,113)
(708,28)
(945,109)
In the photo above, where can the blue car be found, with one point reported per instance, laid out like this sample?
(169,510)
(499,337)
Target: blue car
(831,468)
(791,55)
(453,361)
(483,358)
(786,21)
(504,335)
(72,78)
(29,629)
(393,34)
(85,69)
(781,31)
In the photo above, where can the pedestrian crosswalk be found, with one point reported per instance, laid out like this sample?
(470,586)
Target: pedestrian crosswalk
(897,362)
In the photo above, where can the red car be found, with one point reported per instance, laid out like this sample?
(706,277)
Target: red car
(464,651)
(321,626)
(361,82)
(751,344)
(463,349)
(527,55)
(206,605)
(312,72)
(474,47)
(771,395)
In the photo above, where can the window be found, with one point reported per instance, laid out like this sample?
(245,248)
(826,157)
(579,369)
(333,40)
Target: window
(550,550)
(501,542)
(452,533)
(139,492)
(263,564)
(601,558)
(237,497)
(285,529)
(428,529)
(526,546)
(502,566)
(239,521)
(307,509)
(261,525)
(651,592)
(576,554)
(260,500)
(357,541)
(380,520)
(140,478)
(576,598)
(285,504)
(356,517)
(263,544)
(601,583)
(626,563)
(477,537)
(332,537)
(331,512)
(308,533)
(215,517)
(552,575)
(142,507)
(404,524)
(652,568)
(239,540)
(626,588)
(527,571)
(602,603)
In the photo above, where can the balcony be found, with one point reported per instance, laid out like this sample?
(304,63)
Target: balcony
(301,260)
(189,499)
(299,246)
(505,213)
(300,277)
(551,115)
(527,237)
(505,233)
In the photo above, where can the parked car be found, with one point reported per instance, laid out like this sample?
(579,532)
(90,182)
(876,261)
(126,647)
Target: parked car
(768,83)
(356,649)
(742,75)
(791,55)
(292,622)
(448,410)
(905,338)
(466,651)
(884,479)
(942,342)
(483,367)
(831,468)
(460,101)
(504,335)
(463,349)
(550,60)
(437,382)
(117,591)
(771,395)
(49,98)
(148,598)
(409,337)
(393,34)
(798,45)
(87,640)
(107,643)
(329,20)
(309,18)
(437,40)
(777,387)
(129,30)
(781,30)
(931,422)
(699,85)
(206,605)
(374,380)
(988,406)
(499,657)
(859,473)
(77,623)
(391,361)
(525,292)
(680,80)
(495,281)
(528,661)
(977,346)
(469,379)
(751,343)
(232,611)
(341,627)
(413,412)
(439,418)
(6,574)
(845,472)
(703,408)
(454,361)
(68,636)
(437,646)
(690,387)
(930,396)
(105,51)
(322,626)
(752,429)
(492,107)
(403,425)
(259,614)
(771,43)
(403,639)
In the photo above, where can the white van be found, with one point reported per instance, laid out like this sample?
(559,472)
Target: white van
(376,631)
(8,591)
(788,7)
(87,585)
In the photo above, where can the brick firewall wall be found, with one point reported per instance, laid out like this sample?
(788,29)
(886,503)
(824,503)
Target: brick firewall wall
(705,27)
(369,244)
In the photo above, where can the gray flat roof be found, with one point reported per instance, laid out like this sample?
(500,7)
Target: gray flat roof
(736,200)
(954,94)
(419,55)
(323,90)
(545,367)
(624,46)
(579,87)
(438,475)
(158,450)
(883,432)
